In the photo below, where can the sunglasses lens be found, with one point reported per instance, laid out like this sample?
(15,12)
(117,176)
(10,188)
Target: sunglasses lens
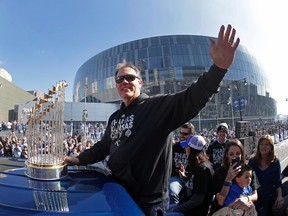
(128,78)
(119,79)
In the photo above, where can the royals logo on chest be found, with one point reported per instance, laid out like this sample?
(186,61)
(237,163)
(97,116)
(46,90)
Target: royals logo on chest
(121,127)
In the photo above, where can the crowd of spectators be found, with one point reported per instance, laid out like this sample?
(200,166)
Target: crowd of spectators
(230,148)
(277,129)
(13,126)
(14,143)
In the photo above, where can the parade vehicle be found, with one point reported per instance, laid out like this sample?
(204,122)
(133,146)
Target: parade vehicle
(86,190)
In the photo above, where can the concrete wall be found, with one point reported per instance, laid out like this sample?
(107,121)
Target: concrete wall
(11,95)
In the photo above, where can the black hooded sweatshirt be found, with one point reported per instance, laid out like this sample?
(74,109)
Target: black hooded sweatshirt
(138,137)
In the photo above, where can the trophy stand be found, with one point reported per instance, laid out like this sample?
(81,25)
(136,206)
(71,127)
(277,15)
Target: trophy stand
(45,136)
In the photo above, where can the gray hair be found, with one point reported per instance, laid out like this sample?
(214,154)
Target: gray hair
(125,64)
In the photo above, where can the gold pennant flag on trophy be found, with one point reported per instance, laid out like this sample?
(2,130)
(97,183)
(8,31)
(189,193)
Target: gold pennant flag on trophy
(38,106)
(46,96)
(51,92)
(42,101)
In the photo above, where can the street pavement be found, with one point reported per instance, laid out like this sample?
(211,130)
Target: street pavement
(281,150)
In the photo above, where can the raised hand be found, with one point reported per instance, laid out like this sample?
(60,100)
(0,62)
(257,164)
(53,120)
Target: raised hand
(223,51)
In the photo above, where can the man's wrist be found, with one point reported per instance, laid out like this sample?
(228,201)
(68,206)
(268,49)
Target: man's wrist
(222,70)
(75,161)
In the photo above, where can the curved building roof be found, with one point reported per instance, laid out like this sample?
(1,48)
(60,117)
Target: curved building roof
(169,64)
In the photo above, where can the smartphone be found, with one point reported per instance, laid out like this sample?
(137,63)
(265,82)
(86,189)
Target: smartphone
(236,160)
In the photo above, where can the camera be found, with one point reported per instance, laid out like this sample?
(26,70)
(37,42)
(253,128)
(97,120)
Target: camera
(236,160)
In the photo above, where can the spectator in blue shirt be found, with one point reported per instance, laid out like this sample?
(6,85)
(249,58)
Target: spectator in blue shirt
(267,168)
(240,186)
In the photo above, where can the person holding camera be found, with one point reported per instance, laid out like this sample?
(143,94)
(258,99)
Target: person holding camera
(240,188)
(223,176)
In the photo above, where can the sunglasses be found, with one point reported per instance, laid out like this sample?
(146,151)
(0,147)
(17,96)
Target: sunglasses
(184,134)
(128,78)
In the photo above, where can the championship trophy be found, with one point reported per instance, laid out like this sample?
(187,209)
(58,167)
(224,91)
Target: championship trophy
(45,136)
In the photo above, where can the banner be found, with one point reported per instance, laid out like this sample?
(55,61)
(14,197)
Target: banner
(236,101)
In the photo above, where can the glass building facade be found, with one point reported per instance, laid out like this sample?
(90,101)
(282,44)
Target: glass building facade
(170,64)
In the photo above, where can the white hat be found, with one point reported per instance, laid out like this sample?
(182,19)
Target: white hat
(222,126)
(185,142)
(197,142)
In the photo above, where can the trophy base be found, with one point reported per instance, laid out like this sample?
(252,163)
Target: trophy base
(48,173)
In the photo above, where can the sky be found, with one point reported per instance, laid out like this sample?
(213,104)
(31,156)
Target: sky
(46,41)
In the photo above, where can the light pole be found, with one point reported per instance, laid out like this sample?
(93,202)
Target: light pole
(230,102)
(85,112)
(71,121)
(236,85)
